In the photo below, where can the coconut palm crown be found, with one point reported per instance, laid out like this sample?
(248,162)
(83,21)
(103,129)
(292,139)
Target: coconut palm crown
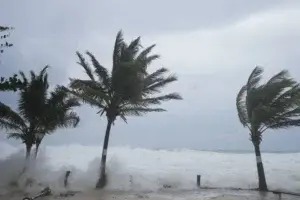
(271,105)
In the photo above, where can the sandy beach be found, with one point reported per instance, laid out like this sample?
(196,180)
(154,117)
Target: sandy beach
(161,195)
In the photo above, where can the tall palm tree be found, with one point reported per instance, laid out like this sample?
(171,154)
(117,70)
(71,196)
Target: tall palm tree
(38,112)
(272,105)
(127,90)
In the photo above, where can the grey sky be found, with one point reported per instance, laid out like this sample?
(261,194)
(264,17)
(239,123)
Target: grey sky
(211,45)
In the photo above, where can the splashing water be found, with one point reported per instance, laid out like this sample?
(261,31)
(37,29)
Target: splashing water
(150,170)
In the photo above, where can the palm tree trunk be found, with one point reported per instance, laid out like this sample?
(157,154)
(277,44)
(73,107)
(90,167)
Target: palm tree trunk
(37,149)
(102,179)
(260,170)
(28,153)
(27,159)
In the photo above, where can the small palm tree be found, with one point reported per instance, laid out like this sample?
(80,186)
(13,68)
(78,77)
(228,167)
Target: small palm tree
(58,113)
(37,113)
(127,90)
(272,105)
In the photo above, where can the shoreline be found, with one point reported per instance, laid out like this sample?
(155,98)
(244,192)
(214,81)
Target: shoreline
(167,194)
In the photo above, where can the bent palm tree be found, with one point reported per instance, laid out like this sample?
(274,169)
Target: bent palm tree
(36,111)
(127,90)
(272,105)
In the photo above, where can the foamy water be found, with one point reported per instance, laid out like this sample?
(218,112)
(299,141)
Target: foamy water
(150,170)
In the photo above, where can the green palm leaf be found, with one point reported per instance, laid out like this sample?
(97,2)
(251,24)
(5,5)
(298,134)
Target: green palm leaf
(100,71)
(117,50)
(85,65)
(10,119)
(274,104)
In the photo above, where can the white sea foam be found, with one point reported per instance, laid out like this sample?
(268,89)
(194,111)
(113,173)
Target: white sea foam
(149,170)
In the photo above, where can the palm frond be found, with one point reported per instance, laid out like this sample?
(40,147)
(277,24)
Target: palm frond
(150,59)
(138,111)
(89,96)
(89,90)
(278,101)
(241,106)
(72,102)
(145,52)
(69,120)
(134,47)
(43,72)
(57,96)
(157,100)
(144,59)
(16,136)
(4,124)
(32,75)
(85,66)
(289,98)
(119,43)
(100,71)
(282,75)
(254,78)
(155,75)
(10,119)
(286,124)
(290,114)
(158,84)
(25,137)
(61,100)
(78,84)
(275,88)
(24,79)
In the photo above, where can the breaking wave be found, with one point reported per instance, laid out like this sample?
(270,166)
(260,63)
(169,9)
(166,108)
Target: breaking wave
(150,170)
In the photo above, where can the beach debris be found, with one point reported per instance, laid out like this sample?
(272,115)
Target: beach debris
(67,194)
(45,192)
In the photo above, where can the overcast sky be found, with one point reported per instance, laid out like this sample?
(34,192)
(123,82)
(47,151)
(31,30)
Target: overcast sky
(211,45)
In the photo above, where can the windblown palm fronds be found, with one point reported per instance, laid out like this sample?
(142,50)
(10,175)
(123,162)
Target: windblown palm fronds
(125,91)
(272,105)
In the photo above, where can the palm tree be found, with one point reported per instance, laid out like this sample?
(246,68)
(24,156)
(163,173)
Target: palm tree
(127,90)
(36,111)
(272,105)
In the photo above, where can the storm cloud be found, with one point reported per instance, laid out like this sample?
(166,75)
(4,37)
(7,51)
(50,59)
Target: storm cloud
(212,46)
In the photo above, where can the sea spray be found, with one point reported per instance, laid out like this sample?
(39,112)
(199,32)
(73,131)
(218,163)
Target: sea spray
(137,169)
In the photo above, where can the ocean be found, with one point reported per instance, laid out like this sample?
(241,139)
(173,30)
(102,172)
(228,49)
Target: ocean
(138,169)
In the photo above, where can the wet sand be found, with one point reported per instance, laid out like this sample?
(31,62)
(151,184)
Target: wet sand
(161,195)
